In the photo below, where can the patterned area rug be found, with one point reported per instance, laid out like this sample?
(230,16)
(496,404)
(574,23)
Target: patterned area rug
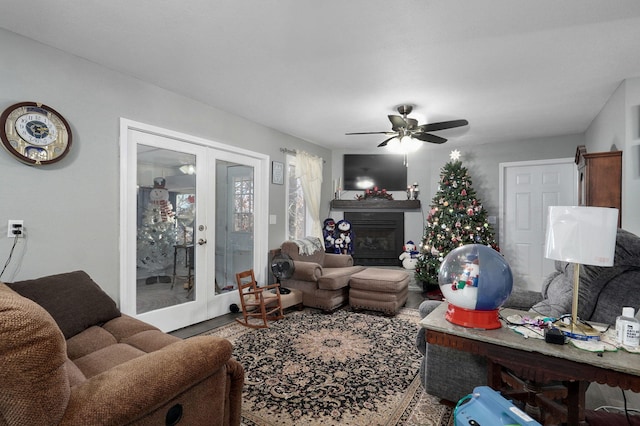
(344,368)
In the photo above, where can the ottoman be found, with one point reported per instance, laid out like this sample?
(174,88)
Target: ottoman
(377,289)
(292,299)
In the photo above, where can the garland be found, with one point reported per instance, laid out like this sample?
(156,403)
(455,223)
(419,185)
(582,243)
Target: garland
(375,193)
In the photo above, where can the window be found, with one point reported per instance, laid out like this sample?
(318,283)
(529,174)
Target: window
(243,204)
(296,208)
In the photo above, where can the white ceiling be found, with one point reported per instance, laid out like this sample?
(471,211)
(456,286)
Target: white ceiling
(317,69)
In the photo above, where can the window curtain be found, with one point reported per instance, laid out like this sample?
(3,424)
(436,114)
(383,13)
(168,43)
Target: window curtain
(309,171)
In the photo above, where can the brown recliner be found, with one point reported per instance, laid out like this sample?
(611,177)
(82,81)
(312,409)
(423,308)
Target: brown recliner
(79,361)
(322,277)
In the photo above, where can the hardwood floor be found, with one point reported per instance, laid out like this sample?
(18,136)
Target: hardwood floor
(413,301)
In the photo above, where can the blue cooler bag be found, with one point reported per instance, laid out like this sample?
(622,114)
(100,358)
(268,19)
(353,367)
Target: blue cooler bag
(486,407)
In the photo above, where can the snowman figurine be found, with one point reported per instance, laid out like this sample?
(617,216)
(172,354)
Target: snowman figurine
(328,233)
(470,274)
(345,234)
(409,256)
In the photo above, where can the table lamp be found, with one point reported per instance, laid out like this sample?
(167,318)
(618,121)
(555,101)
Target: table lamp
(581,235)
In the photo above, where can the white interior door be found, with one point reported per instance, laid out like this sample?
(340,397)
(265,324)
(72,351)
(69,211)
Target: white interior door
(527,189)
(172,190)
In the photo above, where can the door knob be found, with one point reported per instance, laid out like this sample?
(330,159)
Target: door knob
(202,241)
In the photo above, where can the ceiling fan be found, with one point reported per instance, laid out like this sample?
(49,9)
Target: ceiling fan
(403,126)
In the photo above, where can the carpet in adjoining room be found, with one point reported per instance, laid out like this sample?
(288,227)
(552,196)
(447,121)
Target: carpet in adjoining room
(344,368)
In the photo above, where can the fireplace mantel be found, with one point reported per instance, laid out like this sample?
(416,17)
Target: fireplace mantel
(379,204)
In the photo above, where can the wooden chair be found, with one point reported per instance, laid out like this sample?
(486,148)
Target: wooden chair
(258,303)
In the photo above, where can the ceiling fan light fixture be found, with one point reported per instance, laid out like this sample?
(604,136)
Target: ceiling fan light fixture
(411,144)
(403,145)
(393,145)
(188,169)
(407,134)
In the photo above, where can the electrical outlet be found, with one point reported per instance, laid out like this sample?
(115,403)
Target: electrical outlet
(15,228)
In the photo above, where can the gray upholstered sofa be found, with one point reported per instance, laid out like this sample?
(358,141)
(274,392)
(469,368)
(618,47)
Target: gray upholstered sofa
(451,374)
(69,357)
(322,277)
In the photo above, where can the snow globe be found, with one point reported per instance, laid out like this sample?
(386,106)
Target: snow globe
(476,280)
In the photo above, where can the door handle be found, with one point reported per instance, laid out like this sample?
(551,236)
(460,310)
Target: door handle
(202,241)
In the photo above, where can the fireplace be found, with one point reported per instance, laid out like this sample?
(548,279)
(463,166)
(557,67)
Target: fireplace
(378,237)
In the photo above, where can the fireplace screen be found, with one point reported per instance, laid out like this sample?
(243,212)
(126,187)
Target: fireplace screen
(378,237)
(372,241)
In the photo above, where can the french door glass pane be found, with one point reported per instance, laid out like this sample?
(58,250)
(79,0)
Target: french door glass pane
(235,207)
(166,208)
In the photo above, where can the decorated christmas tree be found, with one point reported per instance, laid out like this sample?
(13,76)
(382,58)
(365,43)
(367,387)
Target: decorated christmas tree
(455,218)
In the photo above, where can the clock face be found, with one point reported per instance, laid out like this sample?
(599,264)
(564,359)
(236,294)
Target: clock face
(36,129)
(35,133)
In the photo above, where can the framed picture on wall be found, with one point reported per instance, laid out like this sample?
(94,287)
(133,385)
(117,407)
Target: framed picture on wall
(277,172)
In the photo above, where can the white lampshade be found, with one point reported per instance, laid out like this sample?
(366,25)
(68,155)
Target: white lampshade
(585,235)
(581,235)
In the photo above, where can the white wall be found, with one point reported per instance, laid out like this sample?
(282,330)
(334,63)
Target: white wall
(71,209)
(617,127)
(631,158)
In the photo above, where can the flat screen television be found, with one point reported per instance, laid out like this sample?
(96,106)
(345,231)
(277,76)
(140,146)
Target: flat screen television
(363,171)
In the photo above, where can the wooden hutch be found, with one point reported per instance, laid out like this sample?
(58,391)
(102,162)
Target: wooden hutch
(600,179)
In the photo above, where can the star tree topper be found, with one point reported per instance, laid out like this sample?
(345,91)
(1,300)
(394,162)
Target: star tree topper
(455,155)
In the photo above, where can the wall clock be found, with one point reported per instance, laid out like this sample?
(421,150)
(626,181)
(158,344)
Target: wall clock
(35,133)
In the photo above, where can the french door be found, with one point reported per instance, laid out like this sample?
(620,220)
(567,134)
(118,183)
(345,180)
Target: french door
(192,216)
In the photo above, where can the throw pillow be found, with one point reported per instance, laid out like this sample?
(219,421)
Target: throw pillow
(73,299)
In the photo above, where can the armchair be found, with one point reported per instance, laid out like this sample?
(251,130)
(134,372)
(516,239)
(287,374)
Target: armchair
(322,277)
(69,357)
(451,374)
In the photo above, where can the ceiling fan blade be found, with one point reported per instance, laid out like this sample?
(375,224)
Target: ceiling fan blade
(369,133)
(412,123)
(384,143)
(442,125)
(427,137)
(397,122)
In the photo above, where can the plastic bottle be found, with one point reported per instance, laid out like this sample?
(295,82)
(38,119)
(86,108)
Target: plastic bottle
(628,328)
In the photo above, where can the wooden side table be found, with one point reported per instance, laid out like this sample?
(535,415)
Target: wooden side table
(515,362)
